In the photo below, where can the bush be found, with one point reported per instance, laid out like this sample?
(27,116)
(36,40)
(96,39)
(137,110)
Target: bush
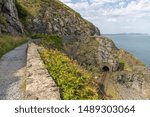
(74,82)
(53,41)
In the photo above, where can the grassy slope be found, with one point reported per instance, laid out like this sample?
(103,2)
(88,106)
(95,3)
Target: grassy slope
(33,6)
(29,9)
(130,62)
(8,43)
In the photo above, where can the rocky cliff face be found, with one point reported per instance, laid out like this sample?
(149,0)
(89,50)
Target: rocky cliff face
(53,17)
(9,21)
(93,52)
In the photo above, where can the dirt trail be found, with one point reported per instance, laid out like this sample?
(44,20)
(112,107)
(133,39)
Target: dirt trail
(12,71)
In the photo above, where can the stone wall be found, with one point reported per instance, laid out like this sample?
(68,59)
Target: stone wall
(39,84)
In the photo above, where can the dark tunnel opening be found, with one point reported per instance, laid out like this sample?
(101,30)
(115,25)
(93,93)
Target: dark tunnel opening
(105,69)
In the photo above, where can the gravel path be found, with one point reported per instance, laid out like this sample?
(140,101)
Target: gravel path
(12,70)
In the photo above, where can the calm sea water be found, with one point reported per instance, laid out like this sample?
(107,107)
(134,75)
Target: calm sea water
(137,44)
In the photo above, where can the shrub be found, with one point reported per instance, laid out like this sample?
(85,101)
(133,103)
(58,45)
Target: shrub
(53,41)
(74,82)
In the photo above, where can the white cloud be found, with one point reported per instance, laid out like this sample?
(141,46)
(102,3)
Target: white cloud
(78,6)
(125,27)
(65,1)
(134,8)
(118,12)
(111,20)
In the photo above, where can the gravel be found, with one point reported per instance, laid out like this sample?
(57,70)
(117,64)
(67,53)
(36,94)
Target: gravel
(12,71)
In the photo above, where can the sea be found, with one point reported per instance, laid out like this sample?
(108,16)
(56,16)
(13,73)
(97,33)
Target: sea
(136,44)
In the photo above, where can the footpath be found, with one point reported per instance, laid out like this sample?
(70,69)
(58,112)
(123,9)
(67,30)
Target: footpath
(23,75)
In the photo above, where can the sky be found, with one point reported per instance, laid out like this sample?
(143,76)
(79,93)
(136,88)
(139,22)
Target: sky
(115,16)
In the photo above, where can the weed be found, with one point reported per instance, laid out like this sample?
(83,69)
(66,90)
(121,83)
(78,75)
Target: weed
(74,82)
(53,41)
(8,43)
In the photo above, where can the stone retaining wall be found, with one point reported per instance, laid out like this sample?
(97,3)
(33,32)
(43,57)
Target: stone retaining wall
(39,84)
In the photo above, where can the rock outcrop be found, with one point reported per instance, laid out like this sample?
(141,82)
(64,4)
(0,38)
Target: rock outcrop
(93,52)
(53,17)
(9,21)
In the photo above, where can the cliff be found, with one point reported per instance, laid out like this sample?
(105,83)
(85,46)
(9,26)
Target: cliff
(9,21)
(53,17)
(118,74)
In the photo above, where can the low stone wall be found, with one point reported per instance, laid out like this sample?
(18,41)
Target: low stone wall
(39,84)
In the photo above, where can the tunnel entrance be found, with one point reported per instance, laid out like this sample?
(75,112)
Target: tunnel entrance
(105,69)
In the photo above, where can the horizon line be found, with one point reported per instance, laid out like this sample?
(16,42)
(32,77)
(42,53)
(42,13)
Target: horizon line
(123,33)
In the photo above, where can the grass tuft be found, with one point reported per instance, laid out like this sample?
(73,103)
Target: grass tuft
(23,14)
(52,41)
(8,43)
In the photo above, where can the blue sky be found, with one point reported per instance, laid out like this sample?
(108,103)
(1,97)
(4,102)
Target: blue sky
(115,16)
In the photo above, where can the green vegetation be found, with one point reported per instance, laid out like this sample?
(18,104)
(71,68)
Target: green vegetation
(112,91)
(60,5)
(31,6)
(52,41)
(3,20)
(23,86)
(23,14)
(74,82)
(124,65)
(8,43)
(127,61)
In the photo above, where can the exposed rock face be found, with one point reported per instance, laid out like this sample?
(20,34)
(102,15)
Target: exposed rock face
(9,21)
(108,59)
(133,81)
(131,85)
(57,18)
(93,52)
